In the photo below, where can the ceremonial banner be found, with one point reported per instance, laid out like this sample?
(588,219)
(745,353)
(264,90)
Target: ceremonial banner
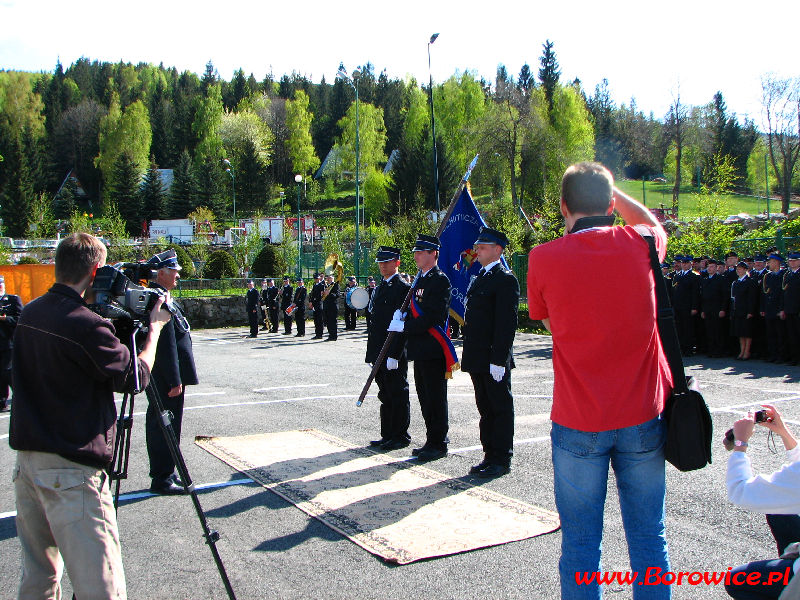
(457,259)
(391,508)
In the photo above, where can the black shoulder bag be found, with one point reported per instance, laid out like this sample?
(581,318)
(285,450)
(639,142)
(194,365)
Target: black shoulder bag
(689,427)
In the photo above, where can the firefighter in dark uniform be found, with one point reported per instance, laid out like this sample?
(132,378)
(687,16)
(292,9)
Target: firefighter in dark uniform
(10,310)
(757,274)
(744,305)
(490,323)
(252,299)
(790,306)
(270,298)
(173,370)
(315,303)
(686,303)
(370,291)
(299,301)
(714,298)
(287,293)
(330,307)
(729,275)
(432,295)
(263,304)
(770,306)
(392,376)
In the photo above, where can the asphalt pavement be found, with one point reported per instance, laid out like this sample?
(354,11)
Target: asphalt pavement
(270,549)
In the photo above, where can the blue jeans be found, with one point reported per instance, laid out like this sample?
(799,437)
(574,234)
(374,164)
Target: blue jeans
(580,465)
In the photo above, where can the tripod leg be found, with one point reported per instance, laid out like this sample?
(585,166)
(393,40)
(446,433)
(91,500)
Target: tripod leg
(122,445)
(165,422)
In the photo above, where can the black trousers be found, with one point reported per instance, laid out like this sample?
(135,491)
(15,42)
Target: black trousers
(715,334)
(496,408)
(252,318)
(395,405)
(319,321)
(300,321)
(273,320)
(287,321)
(775,338)
(350,315)
(161,463)
(5,373)
(684,323)
(331,324)
(432,392)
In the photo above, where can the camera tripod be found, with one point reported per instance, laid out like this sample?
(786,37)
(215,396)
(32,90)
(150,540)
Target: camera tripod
(119,461)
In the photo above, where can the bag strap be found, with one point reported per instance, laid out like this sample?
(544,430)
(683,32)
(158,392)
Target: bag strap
(666,322)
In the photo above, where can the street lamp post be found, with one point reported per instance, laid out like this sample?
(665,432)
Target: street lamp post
(353,81)
(229,170)
(433,126)
(299,179)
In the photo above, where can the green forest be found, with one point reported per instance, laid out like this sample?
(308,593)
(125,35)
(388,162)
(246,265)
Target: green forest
(112,125)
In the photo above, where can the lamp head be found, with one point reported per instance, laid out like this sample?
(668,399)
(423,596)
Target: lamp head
(298,178)
(433,38)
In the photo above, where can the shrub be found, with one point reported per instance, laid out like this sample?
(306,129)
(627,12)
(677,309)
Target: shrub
(185,261)
(28,260)
(220,265)
(269,262)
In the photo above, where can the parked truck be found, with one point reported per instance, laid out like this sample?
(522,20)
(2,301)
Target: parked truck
(179,231)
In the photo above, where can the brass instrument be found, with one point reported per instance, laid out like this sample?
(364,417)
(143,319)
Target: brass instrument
(334,267)
(327,290)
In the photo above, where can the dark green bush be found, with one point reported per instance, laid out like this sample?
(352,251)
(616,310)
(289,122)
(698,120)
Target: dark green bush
(220,265)
(269,262)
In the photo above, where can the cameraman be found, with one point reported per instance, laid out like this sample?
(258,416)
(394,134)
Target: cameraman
(777,495)
(67,364)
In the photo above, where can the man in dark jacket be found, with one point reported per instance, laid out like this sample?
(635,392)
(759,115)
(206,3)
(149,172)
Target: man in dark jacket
(425,328)
(287,293)
(714,297)
(490,323)
(770,303)
(173,370)
(270,298)
(315,302)
(330,307)
(67,364)
(392,376)
(790,305)
(10,309)
(299,301)
(252,299)
(686,303)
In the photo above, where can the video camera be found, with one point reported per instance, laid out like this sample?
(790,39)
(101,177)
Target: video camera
(118,296)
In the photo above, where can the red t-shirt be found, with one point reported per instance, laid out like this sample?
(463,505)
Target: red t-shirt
(596,286)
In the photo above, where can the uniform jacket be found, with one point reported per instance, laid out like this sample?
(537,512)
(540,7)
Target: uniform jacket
(269,297)
(299,300)
(11,307)
(174,363)
(329,304)
(686,291)
(791,292)
(771,292)
(315,297)
(714,295)
(744,297)
(432,294)
(387,298)
(67,363)
(252,298)
(490,321)
(286,296)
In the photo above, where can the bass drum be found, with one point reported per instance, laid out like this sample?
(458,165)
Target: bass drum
(357,298)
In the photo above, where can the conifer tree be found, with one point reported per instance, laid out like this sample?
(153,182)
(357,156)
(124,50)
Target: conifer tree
(183,193)
(153,198)
(124,192)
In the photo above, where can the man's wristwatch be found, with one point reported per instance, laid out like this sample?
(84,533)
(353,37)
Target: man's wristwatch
(740,444)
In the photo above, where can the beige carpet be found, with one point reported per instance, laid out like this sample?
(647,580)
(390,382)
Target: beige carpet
(399,511)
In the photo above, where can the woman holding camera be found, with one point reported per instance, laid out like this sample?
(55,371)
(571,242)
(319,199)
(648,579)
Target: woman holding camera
(778,496)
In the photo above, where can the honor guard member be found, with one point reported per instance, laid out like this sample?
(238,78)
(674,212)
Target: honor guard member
(271,299)
(744,305)
(729,275)
(10,310)
(287,294)
(770,306)
(790,305)
(757,274)
(350,314)
(714,297)
(252,299)
(330,307)
(490,323)
(263,303)
(431,294)
(299,301)
(686,303)
(315,303)
(173,370)
(392,376)
(370,291)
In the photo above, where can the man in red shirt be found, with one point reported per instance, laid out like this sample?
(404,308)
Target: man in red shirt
(611,375)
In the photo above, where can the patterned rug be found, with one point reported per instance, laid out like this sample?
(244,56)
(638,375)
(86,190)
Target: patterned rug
(396,510)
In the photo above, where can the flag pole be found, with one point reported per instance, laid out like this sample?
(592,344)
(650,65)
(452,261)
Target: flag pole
(385,348)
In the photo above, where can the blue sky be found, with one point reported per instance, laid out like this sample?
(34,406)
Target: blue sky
(646,50)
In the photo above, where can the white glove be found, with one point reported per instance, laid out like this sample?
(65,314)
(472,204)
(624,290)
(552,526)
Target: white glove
(392,364)
(399,316)
(396,325)
(497,372)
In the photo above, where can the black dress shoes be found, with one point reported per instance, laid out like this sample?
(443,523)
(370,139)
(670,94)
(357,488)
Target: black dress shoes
(493,471)
(166,488)
(395,445)
(416,451)
(479,467)
(379,442)
(427,454)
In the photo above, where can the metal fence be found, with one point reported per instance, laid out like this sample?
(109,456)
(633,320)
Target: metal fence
(756,245)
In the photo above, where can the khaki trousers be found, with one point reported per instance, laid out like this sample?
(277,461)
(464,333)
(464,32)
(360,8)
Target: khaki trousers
(65,509)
